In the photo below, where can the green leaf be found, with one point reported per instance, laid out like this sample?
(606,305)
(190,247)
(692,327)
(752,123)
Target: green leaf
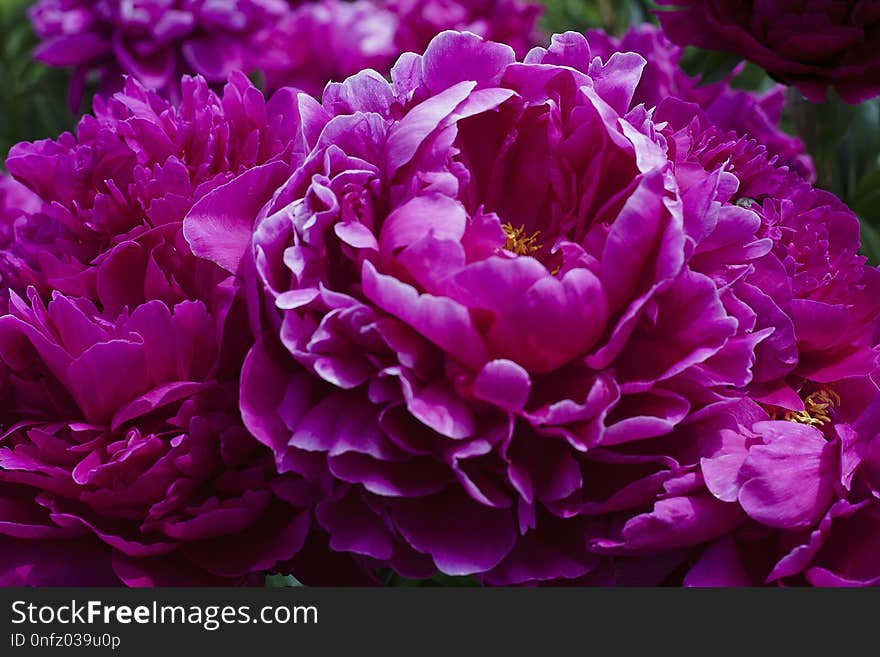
(33,97)
(717,66)
(752,78)
(866,198)
(393,579)
(278,581)
(857,153)
(870,243)
(16,39)
(822,127)
(613,16)
(11,8)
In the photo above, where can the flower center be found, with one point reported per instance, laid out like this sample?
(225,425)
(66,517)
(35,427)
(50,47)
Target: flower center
(520,243)
(818,407)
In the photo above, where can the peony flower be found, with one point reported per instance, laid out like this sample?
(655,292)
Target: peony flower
(497,320)
(155,41)
(799,461)
(509,21)
(111,197)
(330,40)
(304,44)
(813,274)
(808,482)
(751,115)
(812,44)
(122,451)
(317,42)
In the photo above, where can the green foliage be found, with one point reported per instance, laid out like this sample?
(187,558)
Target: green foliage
(278,581)
(390,578)
(844,141)
(752,78)
(709,66)
(614,16)
(33,98)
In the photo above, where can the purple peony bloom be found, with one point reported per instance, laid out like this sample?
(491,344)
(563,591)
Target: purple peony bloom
(155,41)
(502,317)
(330,40)
(748,114)
(317,42)
(304,43)
(797,455)
(111,197)
(829,296)
(509,21)
(121,446)
(808,482)
(812,44)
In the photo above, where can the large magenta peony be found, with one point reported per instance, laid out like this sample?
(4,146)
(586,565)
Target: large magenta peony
(123,451)
(105,222)
(499,320)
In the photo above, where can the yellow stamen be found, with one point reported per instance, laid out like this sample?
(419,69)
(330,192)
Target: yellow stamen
(520,243)
(817,408)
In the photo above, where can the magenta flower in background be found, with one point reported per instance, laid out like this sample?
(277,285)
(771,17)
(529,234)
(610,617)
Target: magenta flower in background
(808,482)
(749,114)
(317,42)
(155,41)
(330,40)
(812,44)
(500,319)
(509,21)
(302,44)
(813,272)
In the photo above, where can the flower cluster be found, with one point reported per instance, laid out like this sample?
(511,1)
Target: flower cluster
(304,44)
(813,44)
(556,316)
